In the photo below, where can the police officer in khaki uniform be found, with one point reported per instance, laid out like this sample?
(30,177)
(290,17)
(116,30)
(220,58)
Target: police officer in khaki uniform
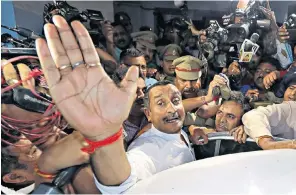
(145,42)
(167,55)
(188,74)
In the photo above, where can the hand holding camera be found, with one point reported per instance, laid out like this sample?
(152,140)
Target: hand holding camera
(252,95)
(107,29)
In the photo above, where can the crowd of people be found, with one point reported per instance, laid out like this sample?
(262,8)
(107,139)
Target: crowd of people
(135,106)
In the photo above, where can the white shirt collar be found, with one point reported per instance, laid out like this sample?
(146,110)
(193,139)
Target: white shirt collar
(22,191)
(166,136)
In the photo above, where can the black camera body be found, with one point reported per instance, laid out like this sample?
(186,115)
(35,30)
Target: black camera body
(291,27)
(250,20)
(70,13)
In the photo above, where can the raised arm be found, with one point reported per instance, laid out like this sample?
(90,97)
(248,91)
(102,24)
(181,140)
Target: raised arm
(196,102)
(265,122)
(86,96)
(109,62)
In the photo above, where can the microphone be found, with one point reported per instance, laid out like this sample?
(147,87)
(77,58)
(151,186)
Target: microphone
(61,179)
(248,48)
(7,38)
(27,33)
(254,38)
(182,5)
(179,3)
(24,32)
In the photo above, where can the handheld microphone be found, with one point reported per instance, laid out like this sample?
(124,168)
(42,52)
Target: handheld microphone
(27,33)
(61,179)
(249,48)
(7,38)
(182,5)
(24,32)
(254,38)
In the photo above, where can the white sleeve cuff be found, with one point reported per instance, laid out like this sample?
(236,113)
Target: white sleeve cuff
(131,180)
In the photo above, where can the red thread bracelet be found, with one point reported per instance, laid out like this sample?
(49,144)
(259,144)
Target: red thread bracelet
(93,145)
(43,174)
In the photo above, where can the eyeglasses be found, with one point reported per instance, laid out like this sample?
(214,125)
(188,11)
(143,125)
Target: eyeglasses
(141,66)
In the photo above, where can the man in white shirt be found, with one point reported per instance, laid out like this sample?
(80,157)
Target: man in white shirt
(163,146)
(277,120)
(83,96)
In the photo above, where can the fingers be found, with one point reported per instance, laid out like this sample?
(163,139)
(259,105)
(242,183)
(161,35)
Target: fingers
(129,83)
(252,92)
(269,80)
(68,40)
(25,71)
(49,68)
(197,134)
(57,50)
(9,73)
(87,47)
(220,80)
(239,135)
(205,138)
(283,33)
(244,139)
(232,131)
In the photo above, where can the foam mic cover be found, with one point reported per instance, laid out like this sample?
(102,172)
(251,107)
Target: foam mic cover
(178,3)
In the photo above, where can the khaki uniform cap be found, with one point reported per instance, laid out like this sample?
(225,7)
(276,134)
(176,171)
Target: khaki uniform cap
(188,67)
(146,38)
(170,52)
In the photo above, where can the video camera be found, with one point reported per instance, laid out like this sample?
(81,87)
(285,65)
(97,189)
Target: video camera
(28,41)
(70,13)
(245,22)
(291,27)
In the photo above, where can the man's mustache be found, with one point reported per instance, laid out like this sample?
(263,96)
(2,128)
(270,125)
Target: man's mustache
(190,90)
(139,101)
(121,41)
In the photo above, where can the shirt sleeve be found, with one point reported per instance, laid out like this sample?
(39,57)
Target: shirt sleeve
(268,120)
(142,166)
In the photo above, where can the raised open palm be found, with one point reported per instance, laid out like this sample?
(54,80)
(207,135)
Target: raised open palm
(83,92)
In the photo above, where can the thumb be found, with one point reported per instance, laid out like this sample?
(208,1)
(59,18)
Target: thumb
(129,83)
(232,131)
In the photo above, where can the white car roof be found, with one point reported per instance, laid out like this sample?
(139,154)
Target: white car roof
(259,172)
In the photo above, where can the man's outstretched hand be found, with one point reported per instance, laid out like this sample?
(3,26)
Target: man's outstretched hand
(85,95)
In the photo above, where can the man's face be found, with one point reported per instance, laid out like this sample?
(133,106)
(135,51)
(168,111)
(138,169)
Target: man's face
(262,70)
(137,61)
(151,72)
(148,52)
(168,67)
(254,61)
(129,27)
(172,35)
(228,116)
(290,93)
(138,105)
(166,111)
(233,69)
(192,42)
(188,89)
(120,37)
